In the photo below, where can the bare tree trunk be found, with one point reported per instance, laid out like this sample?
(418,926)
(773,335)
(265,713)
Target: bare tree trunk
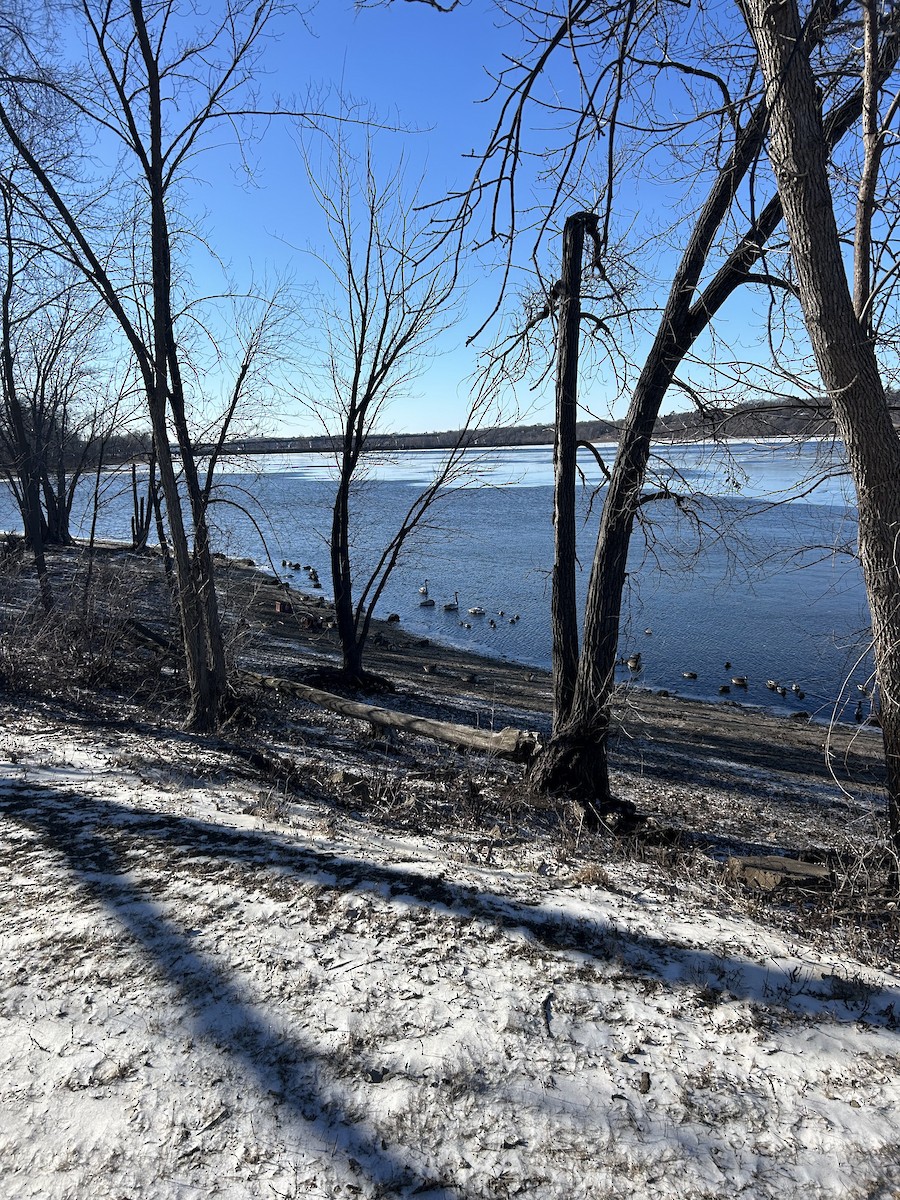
(168,565)
(25,459)
(563,605)
(197,600)
(344,611)
(142,507)
(575,759)
(843,350)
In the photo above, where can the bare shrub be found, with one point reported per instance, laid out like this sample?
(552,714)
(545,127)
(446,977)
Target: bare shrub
(88,639)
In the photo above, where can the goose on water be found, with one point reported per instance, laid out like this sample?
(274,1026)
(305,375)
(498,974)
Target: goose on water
(452,605)
(477,611)
(423,590)
(426,603)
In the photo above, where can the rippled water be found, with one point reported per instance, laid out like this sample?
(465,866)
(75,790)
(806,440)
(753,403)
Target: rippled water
(768,587)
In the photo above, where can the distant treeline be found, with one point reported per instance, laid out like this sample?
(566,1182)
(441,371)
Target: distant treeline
(786,418)
(80,453)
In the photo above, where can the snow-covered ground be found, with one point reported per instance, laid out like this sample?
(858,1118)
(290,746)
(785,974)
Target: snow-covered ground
(210,991)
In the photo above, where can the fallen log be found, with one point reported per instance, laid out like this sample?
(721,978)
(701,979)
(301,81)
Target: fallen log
(770,871)
(517,744)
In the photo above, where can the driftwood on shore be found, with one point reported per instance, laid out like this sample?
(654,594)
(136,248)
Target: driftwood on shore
(769,871)
(518,744)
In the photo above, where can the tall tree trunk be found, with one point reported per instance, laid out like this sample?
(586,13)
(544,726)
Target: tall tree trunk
(344,613)
(26,464)
(575,759)
(844,353)
(563,605)
(197,599)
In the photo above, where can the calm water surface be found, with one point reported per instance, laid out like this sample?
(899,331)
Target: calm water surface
(757,574)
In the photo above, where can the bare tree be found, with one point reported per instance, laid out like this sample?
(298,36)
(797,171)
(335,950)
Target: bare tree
(25,474)
(598,68)
(62,373)
(838,318)
(394,290)
(153,84)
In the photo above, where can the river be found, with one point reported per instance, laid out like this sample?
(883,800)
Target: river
(753,570)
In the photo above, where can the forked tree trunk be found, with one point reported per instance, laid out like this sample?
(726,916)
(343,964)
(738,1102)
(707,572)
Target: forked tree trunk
(844,353)
(194,572)
(575,759)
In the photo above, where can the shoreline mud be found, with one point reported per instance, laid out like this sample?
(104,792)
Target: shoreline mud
(451,680)
(666,736)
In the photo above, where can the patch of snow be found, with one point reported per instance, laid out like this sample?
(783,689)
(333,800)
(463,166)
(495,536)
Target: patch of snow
(200,1001)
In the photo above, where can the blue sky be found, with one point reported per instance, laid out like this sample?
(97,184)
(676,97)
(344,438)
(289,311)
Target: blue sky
(428,72)
(417,68)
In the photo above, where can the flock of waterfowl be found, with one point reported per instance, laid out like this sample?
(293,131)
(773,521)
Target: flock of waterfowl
(311,571)
(452,606)
(635,664)
(427,601)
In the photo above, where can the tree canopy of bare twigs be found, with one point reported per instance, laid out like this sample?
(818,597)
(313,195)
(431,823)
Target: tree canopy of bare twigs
(153,85)
(393,294)
(597,104)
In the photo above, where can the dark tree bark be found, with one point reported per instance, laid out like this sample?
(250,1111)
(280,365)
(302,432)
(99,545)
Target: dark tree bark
(27,466)
(197,599)
(576,757)
(563,605)
(844,351)
(352,645)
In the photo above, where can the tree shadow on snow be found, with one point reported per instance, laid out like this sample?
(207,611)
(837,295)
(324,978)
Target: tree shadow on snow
(87,837)
(86,833)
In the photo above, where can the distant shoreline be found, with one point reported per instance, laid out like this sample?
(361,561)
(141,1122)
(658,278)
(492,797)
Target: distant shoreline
(787,418)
